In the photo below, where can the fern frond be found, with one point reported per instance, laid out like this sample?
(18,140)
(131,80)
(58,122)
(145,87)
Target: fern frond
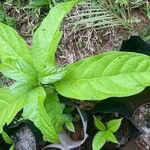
(101,14)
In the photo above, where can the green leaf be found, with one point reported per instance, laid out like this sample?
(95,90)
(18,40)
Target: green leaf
(38,3)
(12,147)
(99,140)
(111,74)
(110,137)
(148,14)
(2,13)
(6,138)
(17,70)
(48,35)
(51,75)
(99,124)
(70,126)
(13,46)
(9,107)
(54,110)
(114,125)
(36,112)
(21,88)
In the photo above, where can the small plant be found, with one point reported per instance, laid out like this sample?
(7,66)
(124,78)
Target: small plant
(39,79)
(106,132)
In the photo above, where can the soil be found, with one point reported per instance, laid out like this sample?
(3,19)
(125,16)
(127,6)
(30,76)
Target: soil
(141,118)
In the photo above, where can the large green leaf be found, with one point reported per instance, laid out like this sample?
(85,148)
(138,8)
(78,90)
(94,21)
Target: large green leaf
(36,112)
(17,61)
(48,35)
(55,111)
(12,45)
(112,74)
(9,106)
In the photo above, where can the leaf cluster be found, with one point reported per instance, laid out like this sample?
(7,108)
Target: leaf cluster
(106,132)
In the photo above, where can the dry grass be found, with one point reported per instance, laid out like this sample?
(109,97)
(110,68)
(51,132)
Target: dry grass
(26,19)
(76,45)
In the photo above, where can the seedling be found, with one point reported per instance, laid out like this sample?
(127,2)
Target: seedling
(106,132)
(39,79)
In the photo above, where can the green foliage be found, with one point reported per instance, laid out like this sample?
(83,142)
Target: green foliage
(99,140)
(106,13)
(32,70)
(114,125)
(99,124)
(8,140)
(70,126)
(148,10)
(2,14)
(112,74)
(105,133)
(39,3)
(45,40)
(4,17)
(10,105)
(36,112)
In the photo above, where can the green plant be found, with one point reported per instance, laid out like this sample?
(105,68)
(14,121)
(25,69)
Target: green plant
(148,9)
(105,14)
(39,79)
(8,140)
(106,132)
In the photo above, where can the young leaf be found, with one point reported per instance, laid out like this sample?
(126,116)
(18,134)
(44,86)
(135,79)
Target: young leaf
(54,110)
(70,126)
(48,35)
(6,138)
(9,107)
(99,140)
(2,12)
(36,112)
(113,125)
(12,45)
(17,70)
(110,137)
(51,75)
(38,3)
(21,88)
(99,124)
(66,142)
(112,74)
(12,147)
